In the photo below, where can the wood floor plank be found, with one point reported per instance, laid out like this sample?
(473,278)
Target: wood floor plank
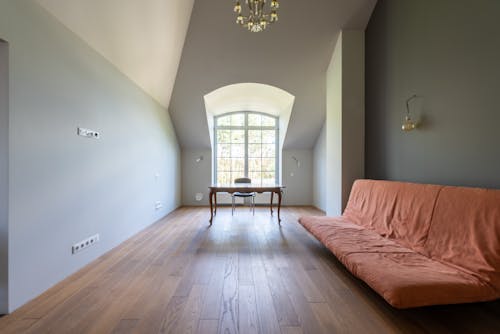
(291,330)
(228,320)
(213,298)
(125,326)
(207,326)
(248,318)
(244,274)
(18,326)
(189,320)
(308,320)
(268,320)
(282,304)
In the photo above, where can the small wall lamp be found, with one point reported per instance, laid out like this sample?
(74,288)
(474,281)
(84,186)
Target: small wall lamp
(297,161)
(409,124)
(199,159)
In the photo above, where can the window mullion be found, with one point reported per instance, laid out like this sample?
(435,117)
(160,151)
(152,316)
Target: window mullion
(246,144)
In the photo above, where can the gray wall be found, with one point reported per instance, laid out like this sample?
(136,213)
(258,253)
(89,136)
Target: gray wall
(4,175)
(196,177)
(64,188)
(319,171)
(448,53)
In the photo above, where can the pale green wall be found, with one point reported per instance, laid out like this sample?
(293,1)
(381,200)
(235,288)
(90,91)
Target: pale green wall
(64,188)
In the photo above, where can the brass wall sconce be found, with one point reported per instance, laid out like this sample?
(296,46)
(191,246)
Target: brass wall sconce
(409,124)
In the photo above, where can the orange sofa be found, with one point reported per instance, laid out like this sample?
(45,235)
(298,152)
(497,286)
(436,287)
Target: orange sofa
(418,244)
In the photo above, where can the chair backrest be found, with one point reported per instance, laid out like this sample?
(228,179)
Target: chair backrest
(243,180)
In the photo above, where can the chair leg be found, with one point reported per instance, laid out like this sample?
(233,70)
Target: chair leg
(253,205)
(232,207)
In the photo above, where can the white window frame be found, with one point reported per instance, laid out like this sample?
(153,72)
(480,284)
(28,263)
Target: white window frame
(246,127)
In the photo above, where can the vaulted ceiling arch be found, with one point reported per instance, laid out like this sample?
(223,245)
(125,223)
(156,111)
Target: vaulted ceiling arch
(250,96)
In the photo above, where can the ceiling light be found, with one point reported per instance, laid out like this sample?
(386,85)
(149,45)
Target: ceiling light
(258,17)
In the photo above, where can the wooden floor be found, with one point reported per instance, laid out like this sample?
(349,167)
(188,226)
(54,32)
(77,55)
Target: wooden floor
(244,274)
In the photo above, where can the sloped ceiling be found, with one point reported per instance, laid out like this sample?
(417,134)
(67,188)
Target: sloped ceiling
(293,55)
(146,38)
(142,38)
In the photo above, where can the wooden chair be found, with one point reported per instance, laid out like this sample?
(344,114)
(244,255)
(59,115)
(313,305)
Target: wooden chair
(243,195)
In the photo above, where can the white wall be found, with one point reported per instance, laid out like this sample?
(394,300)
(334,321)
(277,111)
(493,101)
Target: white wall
(64,188)
(4,175)
(334,132)
(319,171)
(344,119)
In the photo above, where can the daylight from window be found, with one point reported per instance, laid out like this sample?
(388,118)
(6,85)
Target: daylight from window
(246,146)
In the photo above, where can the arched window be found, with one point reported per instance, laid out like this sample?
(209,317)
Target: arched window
(246,146)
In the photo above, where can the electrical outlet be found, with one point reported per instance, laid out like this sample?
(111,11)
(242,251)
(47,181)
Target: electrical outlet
(88,133)
(158,205)
(79,246)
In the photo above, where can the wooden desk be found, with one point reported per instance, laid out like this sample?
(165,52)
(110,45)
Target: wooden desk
(244,188)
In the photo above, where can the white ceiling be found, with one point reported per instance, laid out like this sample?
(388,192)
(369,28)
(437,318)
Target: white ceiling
(143,39)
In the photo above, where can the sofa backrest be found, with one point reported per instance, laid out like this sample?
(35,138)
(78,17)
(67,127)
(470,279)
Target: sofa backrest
(465,231)
(396,210)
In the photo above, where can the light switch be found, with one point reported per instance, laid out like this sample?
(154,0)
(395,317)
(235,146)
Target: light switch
(88,133)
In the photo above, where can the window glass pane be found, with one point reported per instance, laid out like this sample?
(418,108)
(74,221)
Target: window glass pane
(256,177)
(254,136)
(224,121)
(268,121)
(223,136)
(268,164)
(236,175)
(224,150)
(254,164)
(237,136)
(238,120)
(238,165)
(269,136)
(223,165)
(238,150)
(268,178)
(254,150)
(223,177)
(268,150)
(254,120)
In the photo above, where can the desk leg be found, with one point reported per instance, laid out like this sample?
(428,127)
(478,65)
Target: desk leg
(272,196)
(211,206)
(279,206)
(215,202)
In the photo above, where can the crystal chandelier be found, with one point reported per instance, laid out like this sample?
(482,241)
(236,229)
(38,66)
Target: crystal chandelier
(258,18)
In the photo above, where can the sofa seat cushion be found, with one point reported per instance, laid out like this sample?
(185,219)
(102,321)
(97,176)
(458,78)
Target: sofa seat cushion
(342,237)
(407,280)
